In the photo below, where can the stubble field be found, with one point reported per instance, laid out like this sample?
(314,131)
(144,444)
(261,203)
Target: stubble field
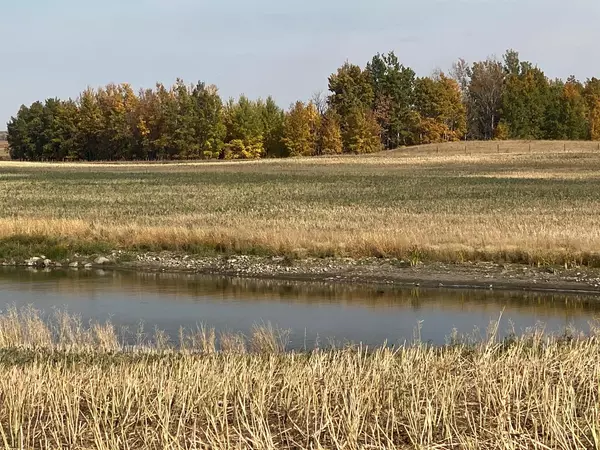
(68,385)
(537,206)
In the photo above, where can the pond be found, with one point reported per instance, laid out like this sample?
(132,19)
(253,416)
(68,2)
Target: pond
(315,313)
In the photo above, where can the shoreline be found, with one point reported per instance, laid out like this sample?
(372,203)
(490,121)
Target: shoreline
(366,271)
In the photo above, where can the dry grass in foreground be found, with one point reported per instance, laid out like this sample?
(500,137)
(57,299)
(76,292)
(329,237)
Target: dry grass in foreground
(69,386)
(537,207)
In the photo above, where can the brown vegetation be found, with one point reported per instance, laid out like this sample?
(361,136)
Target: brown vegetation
(533,207)
(4,150)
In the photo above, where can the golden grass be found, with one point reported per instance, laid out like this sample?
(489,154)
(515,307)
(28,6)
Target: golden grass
(516,146)
(536,207)
(4,150)
(66,385)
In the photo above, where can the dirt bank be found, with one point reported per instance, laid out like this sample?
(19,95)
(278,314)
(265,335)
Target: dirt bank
(378,271)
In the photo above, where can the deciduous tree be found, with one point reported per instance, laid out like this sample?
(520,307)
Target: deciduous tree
(244,125)
(592,98)
(363,132)
(484,98)
(300,131)
(330,135)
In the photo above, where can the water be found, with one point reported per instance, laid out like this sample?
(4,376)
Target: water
(314,312)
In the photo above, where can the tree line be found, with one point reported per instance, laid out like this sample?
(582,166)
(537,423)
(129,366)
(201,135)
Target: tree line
(381,105)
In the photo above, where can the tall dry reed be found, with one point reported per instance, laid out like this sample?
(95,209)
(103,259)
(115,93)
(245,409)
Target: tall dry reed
(66,385)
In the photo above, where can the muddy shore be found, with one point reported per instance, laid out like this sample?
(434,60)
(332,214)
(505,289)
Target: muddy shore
(378,271)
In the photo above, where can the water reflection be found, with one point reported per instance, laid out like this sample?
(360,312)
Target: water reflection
(347,312)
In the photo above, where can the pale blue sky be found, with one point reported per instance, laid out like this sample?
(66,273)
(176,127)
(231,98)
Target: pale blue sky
(284,48)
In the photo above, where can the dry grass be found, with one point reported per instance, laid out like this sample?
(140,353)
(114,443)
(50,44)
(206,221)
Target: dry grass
(71,386)
(4,150)
(536,207)
(483,147)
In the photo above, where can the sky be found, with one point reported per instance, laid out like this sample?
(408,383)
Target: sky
(57,48)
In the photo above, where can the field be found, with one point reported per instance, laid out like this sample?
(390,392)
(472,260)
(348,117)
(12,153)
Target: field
(533,203)
(4,150)
(67,385)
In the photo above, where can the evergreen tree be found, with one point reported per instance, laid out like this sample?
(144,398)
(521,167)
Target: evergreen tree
(393,87)
(91,127)
(566,114)
(384,105)
(273,118)
(209,125)
(555,126)
(19,141)
(185,144)
(60,126)
(524,98)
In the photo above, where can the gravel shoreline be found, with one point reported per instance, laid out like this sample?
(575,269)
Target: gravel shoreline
(393,272)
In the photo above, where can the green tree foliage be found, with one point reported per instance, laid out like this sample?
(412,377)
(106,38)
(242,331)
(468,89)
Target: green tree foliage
(273,118)
(245,129)
(43,131)
(351,95)
(350,88)
(114,122)
(117,106)
(525,97)
(19,137)
(575,111)
(393,88)
(60,126)
(209,127)
(91,126)
(383,105)
(566,115)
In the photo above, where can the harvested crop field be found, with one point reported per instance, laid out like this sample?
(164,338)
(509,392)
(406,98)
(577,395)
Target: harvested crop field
(433,203)
(4,150)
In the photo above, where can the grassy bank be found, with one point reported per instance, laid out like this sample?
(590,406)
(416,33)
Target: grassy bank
(67,385)
(514,204)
